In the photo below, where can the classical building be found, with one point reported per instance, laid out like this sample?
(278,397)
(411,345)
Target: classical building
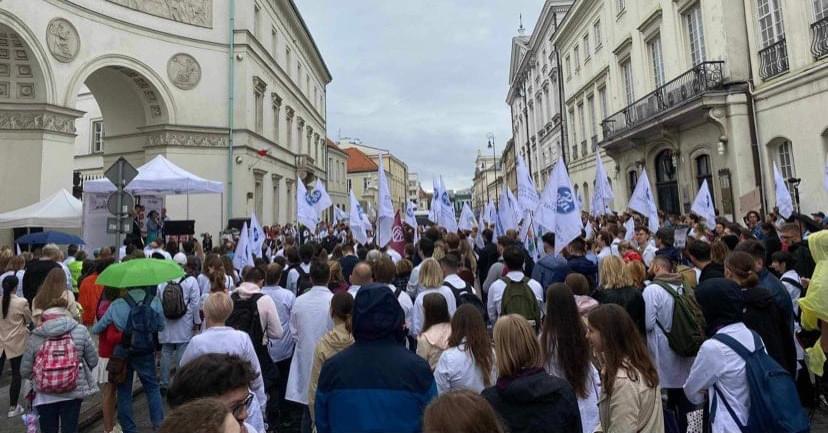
(362,174)
(73,89)
(486,172)
(337,172)
(396,170)
(414,188)
(509,166)
(672,82)
(534,93)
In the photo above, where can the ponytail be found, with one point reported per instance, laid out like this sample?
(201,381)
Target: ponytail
(741,265)
(342,305)
(9,286)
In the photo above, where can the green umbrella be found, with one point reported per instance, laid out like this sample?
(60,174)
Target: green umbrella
(140,273)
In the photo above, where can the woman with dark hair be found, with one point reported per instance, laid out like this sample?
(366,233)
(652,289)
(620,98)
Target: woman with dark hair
(436,329)
(335,341)
(761,313)
(566,352)
(630,398)
(13,334)
(460,411)
(468,362)
(206,415)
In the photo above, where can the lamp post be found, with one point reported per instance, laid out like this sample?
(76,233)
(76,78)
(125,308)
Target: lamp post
(793,182)
(485,179)
(491,139)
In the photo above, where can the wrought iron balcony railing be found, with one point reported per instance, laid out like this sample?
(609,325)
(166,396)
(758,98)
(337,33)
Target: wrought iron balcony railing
(819,38)
(702,78)
(773,60)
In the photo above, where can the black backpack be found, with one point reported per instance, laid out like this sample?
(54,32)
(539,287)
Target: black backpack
(245,318)
(172,300)
(466,296)
(303,283)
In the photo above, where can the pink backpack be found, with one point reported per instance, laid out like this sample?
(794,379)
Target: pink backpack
(56,365)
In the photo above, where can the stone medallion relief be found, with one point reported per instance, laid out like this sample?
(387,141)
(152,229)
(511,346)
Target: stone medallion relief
(184,71)
(195,12)
(62,39)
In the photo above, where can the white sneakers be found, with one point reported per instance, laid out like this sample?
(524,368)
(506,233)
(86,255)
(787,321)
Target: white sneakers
(15,411)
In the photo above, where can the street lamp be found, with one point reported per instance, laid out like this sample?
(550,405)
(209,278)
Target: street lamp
(485,179)
(491,139)
(793,182)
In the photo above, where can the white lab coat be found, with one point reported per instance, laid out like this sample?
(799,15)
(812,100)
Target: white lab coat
(418,314)
(498,287)
(307,326)
(658,306)
(457,370)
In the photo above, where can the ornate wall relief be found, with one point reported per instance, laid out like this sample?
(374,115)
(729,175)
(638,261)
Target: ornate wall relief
(184,71)
(195,12)
(62,39)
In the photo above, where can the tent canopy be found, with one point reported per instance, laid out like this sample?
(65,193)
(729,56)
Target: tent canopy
(159,177)
(61,210)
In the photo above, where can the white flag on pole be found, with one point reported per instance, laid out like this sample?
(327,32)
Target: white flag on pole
(356,221)
(434,212)
(242,256)
(629,225)
(446,217)
(567,224)
(642,201)
(305,212)
(784,201)
(410,217)
(385,209)
(602,199)
(339,214)
(703,205)
(490,213)
(546,211)
(257,236)
(479,242)
(467,220)
(320,198)
(527,194)
(506,219)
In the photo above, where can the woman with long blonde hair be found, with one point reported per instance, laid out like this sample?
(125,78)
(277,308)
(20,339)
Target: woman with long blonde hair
(53,289)
(618,288)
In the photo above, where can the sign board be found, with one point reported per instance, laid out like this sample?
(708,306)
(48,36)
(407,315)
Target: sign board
(121,173)
(112,225)
(127,203)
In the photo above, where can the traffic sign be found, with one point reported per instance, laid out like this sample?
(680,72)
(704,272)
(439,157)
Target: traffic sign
(112,224)
(127,203)
(121,172)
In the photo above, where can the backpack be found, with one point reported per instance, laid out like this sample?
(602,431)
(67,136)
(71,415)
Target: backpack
(172,300)
(303,283)
(686,334)
(466,296)
(56,365)
(245,318)
(773,400)
(142,324)
(519,299)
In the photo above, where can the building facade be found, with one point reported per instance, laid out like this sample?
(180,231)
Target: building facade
(534,92)
(165,93)
(337,176)
(486,173)
(396,170)
(509,167)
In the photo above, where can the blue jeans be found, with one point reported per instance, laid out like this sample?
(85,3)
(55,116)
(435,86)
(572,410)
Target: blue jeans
(60,417)
(170,358)
(144,365)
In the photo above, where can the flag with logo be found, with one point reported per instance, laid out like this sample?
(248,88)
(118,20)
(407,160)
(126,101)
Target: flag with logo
(305,212)
(566,223)
(703,205)
(643,201)
(434,212)
(411,219)
(527,194)
(490,213)
(320,198)
(784,201)
(467,220)
(446,216)
(356,221)
(243,255)
(257,236)
(506,215)
(629,225)
(602,199)
(398,235)
(385,209)
(339,214)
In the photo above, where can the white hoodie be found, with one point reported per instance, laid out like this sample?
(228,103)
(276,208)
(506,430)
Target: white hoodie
(271,325)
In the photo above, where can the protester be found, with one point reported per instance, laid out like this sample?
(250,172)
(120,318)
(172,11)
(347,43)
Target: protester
(348,261)
(798,248)
(333,342)
(468,362)
(496,268)
(15,266)
(525,397)
(89,293)
(404,269)
(361,276)
(180,301)
(107,341)
(14,332)
(516,289)
(36,271)
(54,287)
(375,372)
(488,256)
(551,268)
(213,276)
(566,351)
(767,280)
(384,271)
(436,328)
(637,273)
(206,415)
(630,399)
(280,349)
(618,288)
(450,265)
(460,411)
(580,291)
(298,276)
(698,253)
(646,246)
(338,284)
(578,262)
(431,281)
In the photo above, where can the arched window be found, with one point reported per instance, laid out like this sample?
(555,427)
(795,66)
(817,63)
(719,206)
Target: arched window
(785,159)
(666,183)
(704,172)
(632,180)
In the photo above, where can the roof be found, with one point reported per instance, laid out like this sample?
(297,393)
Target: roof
(359,162)
(317,53)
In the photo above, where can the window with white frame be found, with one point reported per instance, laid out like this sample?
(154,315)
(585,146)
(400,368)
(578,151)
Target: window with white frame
(274,42)
(568,67)
(820,9)
(596,35)
(602,99)
(587,53)
(364,184)
(582,122)
(622,4)
(786,162)
(695,33)
(97,136)
(656,59)
(627,74)
(592,119)
(771,27)
(576,58)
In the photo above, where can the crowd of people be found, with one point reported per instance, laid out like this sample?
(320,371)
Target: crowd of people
(701,330)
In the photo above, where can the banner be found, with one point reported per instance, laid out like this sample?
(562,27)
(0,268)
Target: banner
(703,205)
(398,235)
(385,208)
(784,202)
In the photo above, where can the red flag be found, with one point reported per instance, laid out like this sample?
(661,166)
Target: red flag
(398,235)
(262,152)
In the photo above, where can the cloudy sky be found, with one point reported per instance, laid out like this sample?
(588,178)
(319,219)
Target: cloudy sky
(426,79)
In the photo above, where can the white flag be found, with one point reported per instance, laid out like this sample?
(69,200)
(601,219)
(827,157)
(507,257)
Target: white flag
(703,205)
(339,214)
(410,217)
(567,225)
(642,201)
(490,213)
(434,212)
(603,196)
(356,221)
(784,202)
(385,209)
(546,210)
(479,242)
(320,198)
(446,217)
(527,194)
(257,236)
(305,213)
(629,224)
(467,220)
(242,256)
(506,213)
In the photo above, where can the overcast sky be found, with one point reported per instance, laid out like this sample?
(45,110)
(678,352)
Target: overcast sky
(426,79)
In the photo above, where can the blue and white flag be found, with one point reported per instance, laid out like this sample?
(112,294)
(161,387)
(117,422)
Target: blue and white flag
(411,219)
(305,212)
(385,209)
(479,242)
(446,218)
(243,256)
(434,212)
(784,201)
(467,220)
(339,214)
(643,201)
(320,198)
(356,221)
(507,214)
(704,206)
(603,196)
(629,225)
(257,236)
(559,208)
(527,193)
(490,213)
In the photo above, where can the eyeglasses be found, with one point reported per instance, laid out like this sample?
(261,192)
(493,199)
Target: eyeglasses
(241,407)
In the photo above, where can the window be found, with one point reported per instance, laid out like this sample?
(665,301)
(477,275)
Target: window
(349,184)
(704,172)
(258,193)
(771,28)
(622,4)
(97,136)
(576,57)
(298,74)
(256,25)
(820,9)
(259,87)
(596,35)
(287,59)
(667,183)
(274,41)
(364,184)
(592,121)
(276,109)
(629,90)
(586,47)
(695,32)
(786,162)
(585,200)
(582,127)
(654,47)
(276,200)
(602,98)
(568,68)
(289,130)
(632,180)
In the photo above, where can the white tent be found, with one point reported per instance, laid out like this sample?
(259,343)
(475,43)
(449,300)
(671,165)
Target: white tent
(61,210)
(159,177)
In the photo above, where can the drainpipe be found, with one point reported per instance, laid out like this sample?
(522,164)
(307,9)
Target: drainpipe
(754,132)
(231,98)
(564,140)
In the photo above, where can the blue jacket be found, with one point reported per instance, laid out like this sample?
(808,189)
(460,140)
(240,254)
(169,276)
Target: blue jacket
(585,267)
(549,270)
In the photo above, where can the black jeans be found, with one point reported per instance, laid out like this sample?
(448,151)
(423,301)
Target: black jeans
(60,417)
(679,405)
(14,389)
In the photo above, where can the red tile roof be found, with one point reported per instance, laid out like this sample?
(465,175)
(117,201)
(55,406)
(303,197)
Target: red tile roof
(359,162)
(331,143)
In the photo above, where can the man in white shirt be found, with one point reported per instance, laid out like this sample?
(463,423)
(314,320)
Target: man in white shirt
(179,330)
(361,276)
(646,246)
(513,260)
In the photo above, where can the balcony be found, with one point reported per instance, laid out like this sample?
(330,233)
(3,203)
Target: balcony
(819,38)
(305,168)
(773,60)
(667,100)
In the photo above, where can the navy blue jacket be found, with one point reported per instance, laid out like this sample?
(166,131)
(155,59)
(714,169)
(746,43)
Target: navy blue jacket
(549,270)
(585,267)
